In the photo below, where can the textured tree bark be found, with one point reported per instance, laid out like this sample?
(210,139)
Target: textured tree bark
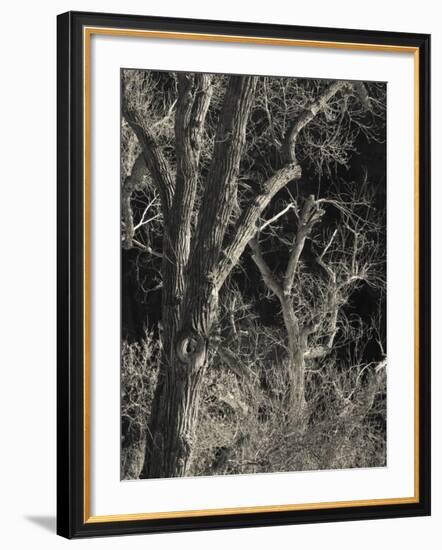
(175,411)
(296,345)
(296,335)
(190,298)
(296,341)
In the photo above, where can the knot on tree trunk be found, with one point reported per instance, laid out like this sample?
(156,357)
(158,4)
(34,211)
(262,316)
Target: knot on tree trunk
(191,348)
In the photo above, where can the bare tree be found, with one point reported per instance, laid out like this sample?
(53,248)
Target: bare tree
(202,139)
(348,252)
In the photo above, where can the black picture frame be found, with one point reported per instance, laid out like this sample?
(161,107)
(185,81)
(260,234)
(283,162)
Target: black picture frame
(72,520)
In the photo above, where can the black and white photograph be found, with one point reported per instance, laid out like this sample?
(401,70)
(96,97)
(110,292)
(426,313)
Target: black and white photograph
(253,274)
(217,305)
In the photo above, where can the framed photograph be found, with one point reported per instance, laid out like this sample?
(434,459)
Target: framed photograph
(243,274)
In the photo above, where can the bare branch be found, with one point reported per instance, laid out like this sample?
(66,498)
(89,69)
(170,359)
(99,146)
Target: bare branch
(146,248)
(127,218)
(143,220)
(301,122)
(311,214)
(155,160)
(245,227)
(277,216)
(267,275)
(131,182)
(328,245)
(350,256)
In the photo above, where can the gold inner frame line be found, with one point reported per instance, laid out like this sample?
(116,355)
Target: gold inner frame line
(87,33)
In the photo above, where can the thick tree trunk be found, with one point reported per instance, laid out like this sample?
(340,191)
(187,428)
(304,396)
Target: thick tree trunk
(174,416)
(190,296)
(296,363)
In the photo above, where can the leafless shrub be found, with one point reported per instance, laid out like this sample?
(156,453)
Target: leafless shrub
(243,423)
(139,367)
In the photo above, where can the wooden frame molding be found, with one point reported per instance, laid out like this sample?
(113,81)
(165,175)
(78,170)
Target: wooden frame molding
(75,31)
